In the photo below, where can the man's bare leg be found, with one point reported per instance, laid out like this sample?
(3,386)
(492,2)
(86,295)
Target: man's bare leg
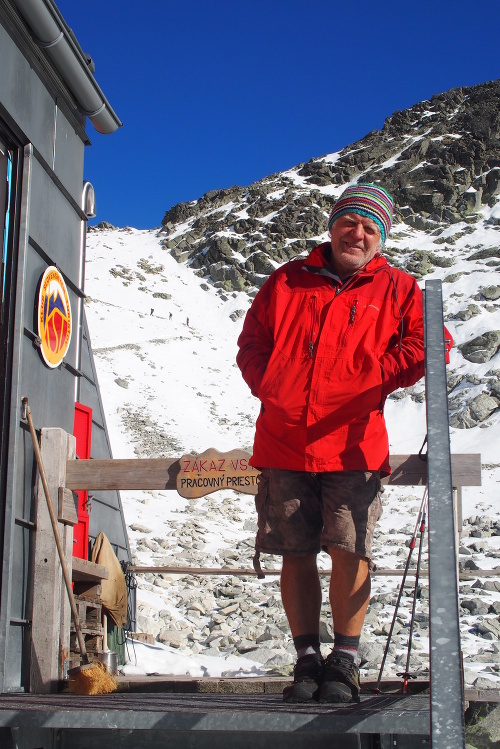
(349,597)
(350,587)
(301,594)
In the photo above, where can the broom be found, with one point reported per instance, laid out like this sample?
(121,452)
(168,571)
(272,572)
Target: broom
(90,678)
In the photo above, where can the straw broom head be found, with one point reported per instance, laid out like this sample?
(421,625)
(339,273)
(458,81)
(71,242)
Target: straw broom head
(92,678)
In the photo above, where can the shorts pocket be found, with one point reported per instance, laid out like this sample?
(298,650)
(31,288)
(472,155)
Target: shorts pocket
(262,501)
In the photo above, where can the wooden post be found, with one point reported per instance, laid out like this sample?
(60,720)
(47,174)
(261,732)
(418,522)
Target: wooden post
(51,619)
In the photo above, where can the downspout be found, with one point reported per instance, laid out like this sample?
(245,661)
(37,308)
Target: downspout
(51,33)
(89,209)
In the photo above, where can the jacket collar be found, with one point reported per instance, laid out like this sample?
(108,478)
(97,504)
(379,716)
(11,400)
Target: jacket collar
(318,262)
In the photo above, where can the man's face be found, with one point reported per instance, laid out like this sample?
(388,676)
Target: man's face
(355,239)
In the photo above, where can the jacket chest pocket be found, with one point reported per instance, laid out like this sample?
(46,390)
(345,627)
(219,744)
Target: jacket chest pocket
(354,324)
(297,334)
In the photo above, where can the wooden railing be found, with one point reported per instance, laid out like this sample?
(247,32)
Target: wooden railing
(167,473)
(211,471)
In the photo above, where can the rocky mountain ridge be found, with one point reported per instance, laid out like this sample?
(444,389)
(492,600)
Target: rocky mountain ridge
(440,159)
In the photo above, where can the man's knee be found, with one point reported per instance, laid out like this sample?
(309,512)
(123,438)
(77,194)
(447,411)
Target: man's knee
(299,566)
(348,562)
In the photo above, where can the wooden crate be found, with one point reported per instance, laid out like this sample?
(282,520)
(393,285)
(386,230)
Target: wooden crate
(88,591)
(90,617)
(89,614)
(93,643)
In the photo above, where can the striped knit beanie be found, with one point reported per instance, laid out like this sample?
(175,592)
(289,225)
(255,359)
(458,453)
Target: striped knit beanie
(368,200)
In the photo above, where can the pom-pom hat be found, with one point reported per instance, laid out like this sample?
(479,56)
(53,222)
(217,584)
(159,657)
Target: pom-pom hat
(368,200)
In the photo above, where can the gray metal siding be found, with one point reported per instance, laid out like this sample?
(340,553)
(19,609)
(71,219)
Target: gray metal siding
(54,224)
(100,444)
(88,396)
(68,161)
(104,517)
(40,115)
(50,391)
(20,572)
(26,98)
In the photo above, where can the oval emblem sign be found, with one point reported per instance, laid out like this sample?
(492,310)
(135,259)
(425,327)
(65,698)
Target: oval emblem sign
(54,317)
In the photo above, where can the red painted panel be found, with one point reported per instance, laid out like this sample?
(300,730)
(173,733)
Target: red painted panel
(82,430)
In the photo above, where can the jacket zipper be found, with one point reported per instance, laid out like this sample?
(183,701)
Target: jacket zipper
(352,317)
(312,333)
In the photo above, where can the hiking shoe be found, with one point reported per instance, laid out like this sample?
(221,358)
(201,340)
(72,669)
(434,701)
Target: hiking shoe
(307,677)
(340,679)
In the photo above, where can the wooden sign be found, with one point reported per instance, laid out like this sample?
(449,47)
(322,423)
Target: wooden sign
(212,470)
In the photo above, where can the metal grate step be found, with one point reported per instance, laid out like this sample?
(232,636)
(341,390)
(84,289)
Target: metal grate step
(220,720)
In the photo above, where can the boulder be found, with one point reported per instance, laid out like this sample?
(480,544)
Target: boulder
(492,293)
(483,722)
(482,348)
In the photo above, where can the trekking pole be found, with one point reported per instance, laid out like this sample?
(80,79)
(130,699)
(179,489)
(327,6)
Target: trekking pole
(401,588)
(406,674)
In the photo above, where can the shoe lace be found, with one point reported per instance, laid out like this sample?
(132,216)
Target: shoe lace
(308,666)
(341,662)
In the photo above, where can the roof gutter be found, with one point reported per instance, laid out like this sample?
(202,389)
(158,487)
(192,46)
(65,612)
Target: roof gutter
(51,33)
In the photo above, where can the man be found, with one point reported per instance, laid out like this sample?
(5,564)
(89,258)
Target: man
(325,341)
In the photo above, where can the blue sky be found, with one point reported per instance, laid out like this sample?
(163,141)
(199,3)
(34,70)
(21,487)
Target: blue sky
(222,92)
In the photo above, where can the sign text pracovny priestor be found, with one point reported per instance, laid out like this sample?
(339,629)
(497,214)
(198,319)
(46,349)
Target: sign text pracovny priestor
(212,470)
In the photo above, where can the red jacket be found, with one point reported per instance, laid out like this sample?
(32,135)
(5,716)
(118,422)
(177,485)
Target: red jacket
(322,357)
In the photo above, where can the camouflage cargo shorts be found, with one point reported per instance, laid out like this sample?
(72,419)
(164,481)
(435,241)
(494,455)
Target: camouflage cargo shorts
(301,513)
